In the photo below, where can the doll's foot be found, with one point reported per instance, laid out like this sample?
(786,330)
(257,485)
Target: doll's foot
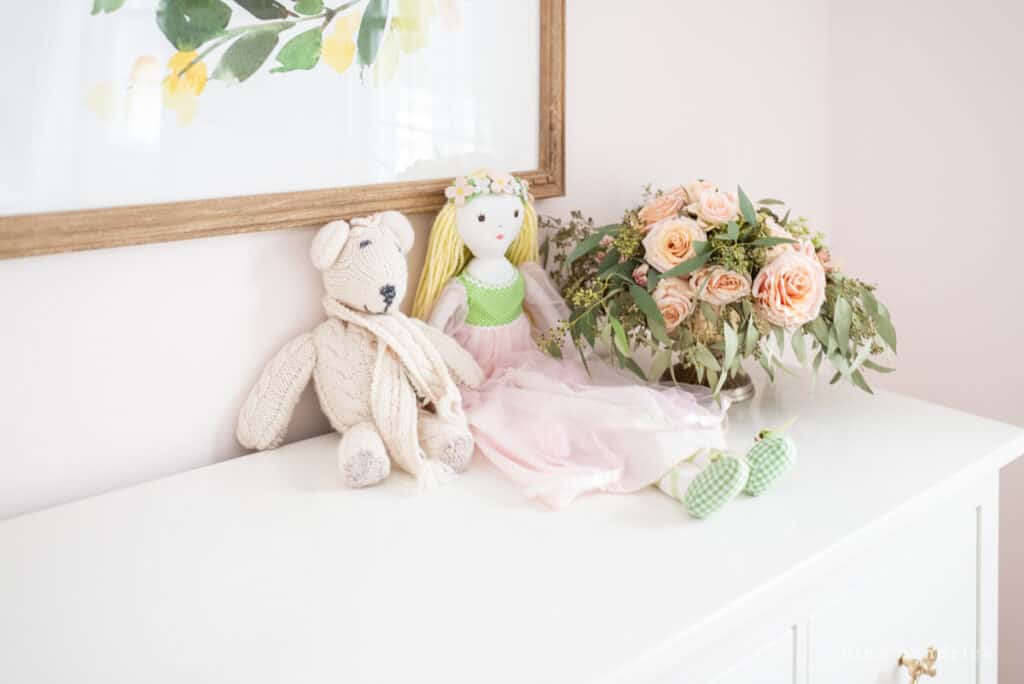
(718,483)
(771,457)
(362,458)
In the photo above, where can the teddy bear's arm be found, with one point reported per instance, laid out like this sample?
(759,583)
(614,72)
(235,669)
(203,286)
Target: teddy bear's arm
(463,366)
(268,409)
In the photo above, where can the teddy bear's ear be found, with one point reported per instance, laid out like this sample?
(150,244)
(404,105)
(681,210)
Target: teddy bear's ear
(400,227)
(328,243)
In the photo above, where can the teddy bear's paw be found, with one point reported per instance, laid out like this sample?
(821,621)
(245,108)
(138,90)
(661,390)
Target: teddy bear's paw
(458,453)
(364,467)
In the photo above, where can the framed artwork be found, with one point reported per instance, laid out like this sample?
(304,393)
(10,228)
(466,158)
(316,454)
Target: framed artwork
(134,121)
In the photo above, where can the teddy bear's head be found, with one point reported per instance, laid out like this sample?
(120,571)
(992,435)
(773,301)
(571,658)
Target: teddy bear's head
(363,263)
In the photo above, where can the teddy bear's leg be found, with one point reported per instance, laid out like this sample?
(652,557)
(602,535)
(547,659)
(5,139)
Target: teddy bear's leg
(444,442)
(362,458)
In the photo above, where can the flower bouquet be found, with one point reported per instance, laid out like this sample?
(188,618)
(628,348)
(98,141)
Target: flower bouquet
(704,279)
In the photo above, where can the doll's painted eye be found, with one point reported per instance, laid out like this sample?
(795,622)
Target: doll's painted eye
(515,214)
(481,218)
(364,243)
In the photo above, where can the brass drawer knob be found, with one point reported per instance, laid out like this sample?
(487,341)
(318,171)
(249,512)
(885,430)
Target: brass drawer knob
(925,666)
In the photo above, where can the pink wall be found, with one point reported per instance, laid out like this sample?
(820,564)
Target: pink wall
(926,177)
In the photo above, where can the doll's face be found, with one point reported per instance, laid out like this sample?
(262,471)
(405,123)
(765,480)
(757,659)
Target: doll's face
(490,223)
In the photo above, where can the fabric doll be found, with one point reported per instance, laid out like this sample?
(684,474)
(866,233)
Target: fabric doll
(546,423)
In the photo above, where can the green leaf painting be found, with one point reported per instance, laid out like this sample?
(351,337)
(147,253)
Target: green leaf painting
(190,23)
(371,31)
(265,9)
(309,7)
(101,6)
(245,56)
(301,52)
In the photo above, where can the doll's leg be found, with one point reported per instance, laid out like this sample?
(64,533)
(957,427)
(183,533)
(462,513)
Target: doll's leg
(362,458)
(441,441)
(771,457)
(706,481)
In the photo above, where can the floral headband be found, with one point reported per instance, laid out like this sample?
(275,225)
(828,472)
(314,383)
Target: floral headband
(490,183)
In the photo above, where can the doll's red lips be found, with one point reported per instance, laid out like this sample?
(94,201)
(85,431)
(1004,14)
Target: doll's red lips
(500,236)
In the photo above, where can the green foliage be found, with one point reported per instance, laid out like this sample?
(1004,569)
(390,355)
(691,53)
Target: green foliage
(107,6)
(188,24)
(245,56)
(264,9)
(301,52)
(371,31)
(309,7)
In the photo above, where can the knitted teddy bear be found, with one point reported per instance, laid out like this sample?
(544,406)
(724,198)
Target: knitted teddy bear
(385,381)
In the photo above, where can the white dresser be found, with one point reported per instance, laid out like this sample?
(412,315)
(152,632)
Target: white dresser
(265,569)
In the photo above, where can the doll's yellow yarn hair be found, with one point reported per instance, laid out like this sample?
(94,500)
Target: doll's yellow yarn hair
(447,255)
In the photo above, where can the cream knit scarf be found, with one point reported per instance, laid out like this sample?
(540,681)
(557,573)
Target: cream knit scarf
(406,365)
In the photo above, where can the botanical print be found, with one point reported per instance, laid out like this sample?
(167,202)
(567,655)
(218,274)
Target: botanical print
(298,34)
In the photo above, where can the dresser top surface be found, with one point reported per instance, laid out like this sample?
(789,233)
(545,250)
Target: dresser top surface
(266,569)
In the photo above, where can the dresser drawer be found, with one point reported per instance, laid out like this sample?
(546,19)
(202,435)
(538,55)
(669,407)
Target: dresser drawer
(918,590)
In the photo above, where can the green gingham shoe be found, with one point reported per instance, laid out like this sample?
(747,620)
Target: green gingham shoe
(718,484)
(770,459)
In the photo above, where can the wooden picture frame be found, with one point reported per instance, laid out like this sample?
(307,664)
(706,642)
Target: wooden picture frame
(64,231)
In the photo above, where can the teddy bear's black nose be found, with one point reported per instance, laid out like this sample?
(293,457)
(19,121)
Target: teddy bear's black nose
(388,293)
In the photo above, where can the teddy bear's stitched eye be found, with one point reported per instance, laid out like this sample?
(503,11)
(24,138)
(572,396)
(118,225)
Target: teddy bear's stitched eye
(481,218)
(364,243)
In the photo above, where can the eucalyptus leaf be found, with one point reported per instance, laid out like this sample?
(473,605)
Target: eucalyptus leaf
(766,363)
(659,364)
(842,317)
(772,241)
(886,331)
(746,207)
(768,201)
(799,349)
(820,331)
(647,306)
(780,338)
(704,355)
(751,338)
(732,231)
(835,378)
(875,367)
(709,313)
(589,244)
(619,336)
(688,266)
(731,347)
(610,259)
(714,381)
(859,381)
(817,361)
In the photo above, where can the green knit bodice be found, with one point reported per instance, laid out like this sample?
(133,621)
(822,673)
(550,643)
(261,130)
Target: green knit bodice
(490,306)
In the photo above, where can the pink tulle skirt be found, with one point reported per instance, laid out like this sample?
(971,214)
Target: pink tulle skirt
(559,432)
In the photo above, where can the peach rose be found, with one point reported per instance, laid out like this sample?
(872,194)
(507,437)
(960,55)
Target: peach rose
(825,258)
(694,191)
(718,285)
(661,207)
(716,208)
(640,275)
(790,289)
(675,301)
(670,242)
